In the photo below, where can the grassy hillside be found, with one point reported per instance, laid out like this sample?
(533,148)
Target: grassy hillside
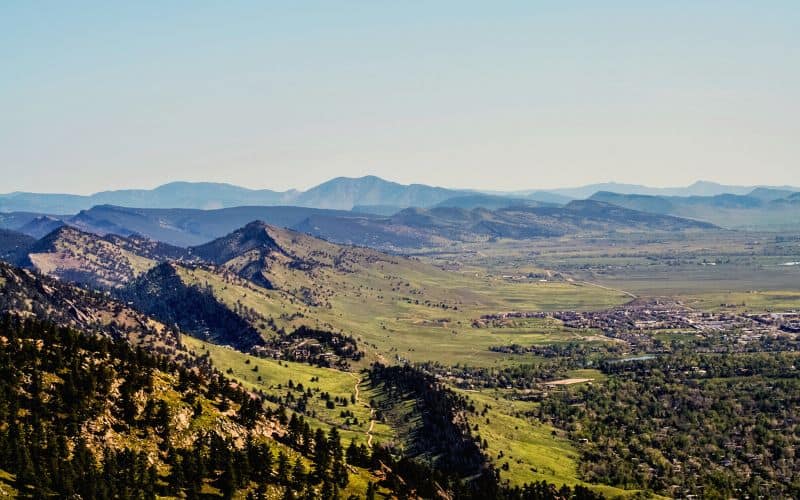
(102,393)
(104,407)
(539,452)
(273,377)
(73,255)
(531,450)
(398,308)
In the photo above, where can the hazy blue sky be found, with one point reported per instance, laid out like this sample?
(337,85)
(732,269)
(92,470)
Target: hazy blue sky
(494,95)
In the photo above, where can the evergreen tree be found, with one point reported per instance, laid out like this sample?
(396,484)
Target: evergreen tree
(298,474)
(321,455)
(228,481)
(283,468)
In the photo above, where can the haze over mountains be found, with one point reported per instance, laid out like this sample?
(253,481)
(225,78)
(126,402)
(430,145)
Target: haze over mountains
(760,209)
(370,211)
(699,188)
(341,193)
(408,229)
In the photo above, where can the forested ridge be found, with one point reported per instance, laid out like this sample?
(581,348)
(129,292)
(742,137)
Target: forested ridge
(444,451)
(65,396)
(162,294)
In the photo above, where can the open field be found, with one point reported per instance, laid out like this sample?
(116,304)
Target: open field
(656,266)
(750,301)
(273,378)
(569,381)
(411,311)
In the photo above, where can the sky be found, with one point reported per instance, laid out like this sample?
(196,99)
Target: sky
(499,95)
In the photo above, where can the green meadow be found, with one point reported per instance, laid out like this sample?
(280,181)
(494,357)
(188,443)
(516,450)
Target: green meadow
(417,312)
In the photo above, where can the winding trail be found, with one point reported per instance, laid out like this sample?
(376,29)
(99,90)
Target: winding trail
(371,425)
(368,432)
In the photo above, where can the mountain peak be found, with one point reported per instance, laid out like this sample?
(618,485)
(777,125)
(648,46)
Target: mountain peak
(256,224)
(346,192)
(62,232)
(256,235)
(702,183)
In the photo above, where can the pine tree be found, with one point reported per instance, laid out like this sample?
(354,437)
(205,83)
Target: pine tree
(298,474)
(321,455)
(305,448)
(353,457)
(338,469)
(294,431)
(283,468)
(266,461)
(327,490)
(228,481)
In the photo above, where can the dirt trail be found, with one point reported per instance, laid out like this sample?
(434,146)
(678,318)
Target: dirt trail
(598,285)
(371,425)
(371,409)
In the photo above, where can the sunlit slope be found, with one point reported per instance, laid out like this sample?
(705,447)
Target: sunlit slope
(273,378)
(525,450)
(533,451)
(399,307)
(109,262)
(86,258)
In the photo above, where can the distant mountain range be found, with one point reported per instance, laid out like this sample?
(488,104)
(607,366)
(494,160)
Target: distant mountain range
(699,188)
(759,209)
(187,227)
(174,195)
(341,193)
(417,227)
(410,228)
(370,211)
(176,226)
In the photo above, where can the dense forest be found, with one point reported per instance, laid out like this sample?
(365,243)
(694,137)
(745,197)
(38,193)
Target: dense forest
(57,385)
(444,434)
(718,426)
(63,392)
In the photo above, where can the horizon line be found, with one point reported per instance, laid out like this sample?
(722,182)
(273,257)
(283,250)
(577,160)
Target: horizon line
(476,190)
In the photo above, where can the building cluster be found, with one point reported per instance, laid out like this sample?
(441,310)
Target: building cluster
(642,316)
(295,351)
(787,321)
